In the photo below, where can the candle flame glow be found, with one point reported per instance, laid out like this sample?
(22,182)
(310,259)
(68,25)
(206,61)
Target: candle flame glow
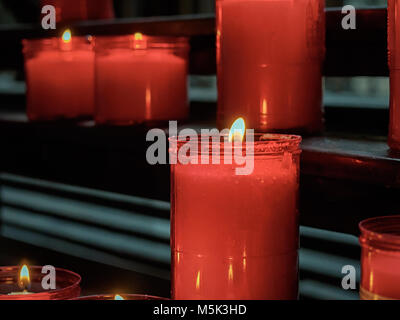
(138,36)
(198,280)
(230,272)
(67,36)
(139,41)
(118,297)
(238,130)
(24,278)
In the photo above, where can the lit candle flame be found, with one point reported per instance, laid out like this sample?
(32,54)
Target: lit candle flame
(138,36)
(139,41)
(118,297)
(24,278)
(238,130)
(67,36)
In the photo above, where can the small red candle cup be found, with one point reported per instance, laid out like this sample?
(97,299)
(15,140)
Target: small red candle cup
(137,297)
(380,258)
(394,65)
(59,77)
(236,237)
(269,56)
(77,10)
(141,79)
(67,285)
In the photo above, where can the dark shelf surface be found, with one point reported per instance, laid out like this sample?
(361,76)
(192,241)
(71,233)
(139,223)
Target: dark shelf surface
(366,160)
(344,178)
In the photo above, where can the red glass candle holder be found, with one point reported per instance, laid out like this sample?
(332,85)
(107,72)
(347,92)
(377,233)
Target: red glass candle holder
(380,258)
(60,78)
(141,79)
(236,237)
(269,56)
(138,297)
(67,285)
(77,10)
(394,66)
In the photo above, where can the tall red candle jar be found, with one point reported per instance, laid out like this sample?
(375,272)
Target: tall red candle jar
(236,236)
(77,10)
(141,79)
(59,77)
(270,55)
(394,65)
(380,258)
(67,285)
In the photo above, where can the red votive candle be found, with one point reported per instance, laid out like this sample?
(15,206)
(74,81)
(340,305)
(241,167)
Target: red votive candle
(120,297)
(270,55)
(232,236)
(141,79)
(67,285)
(76,10)
(380,258)
(59,77)
(394,65)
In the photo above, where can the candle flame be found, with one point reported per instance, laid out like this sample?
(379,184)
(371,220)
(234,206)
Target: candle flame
(237,130)
(24,278)
(118,297)
(138,36)
(67,36)
(139,41)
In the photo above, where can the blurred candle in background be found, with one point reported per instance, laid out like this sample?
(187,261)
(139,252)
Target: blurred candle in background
(232,236)
(380,258)
(76,10)
(141,79)
(394,65)
(59,77)
(270,55)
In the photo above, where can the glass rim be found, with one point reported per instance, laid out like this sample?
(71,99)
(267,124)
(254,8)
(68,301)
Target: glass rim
(264,143)
(383,232)
(112,296)
(54,43)
(152,42)
(74,283)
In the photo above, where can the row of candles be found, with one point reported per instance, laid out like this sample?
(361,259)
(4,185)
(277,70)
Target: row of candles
(25,283)
(136,78)
(132,78)
(241,243)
